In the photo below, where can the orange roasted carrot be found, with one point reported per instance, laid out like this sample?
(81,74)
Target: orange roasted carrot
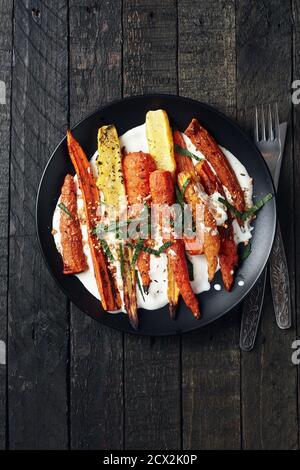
(137,167)
(162,192)
(177,259)
(69,226)
(183,162)
(228,254)
(204,142)
(196,197)
(208,178)
(109,294)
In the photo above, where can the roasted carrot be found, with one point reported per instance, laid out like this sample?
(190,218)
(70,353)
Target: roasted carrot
(137,167)
(228,255)
(162,192)
(177,259)
(143,265)
(204,142)
(110,296)
(129,282)
(162,187)
(195,196)
(193,245)
(209,179)
(183,162)
(72,253)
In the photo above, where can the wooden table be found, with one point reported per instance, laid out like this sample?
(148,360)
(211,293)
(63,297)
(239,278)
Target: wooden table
(68,382)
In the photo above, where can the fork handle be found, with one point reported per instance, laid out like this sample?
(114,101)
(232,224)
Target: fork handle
(280,284)
(252,307)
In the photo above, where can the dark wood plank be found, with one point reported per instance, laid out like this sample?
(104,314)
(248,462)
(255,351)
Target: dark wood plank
(152,366)
(269,380)
(6,39)
(96,352)
(210,357)
(296,146)
(37,321)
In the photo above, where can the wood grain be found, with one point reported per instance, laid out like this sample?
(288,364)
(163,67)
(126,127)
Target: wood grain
(269,379)
(296,173)
(210,357)
(37,319)
(152,366)
(96,415)
(206,55)
(6,40)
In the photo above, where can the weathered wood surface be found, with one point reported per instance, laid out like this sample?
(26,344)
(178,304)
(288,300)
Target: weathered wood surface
(211,357)
(295,120)
(152,387)
(70,381)
(5,106)
(96,382)
(37,318)
(269,379)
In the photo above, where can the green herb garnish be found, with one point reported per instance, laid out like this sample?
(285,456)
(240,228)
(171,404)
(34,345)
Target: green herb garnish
(179,197)
(245,215)
(121,260)
(139,285)
(229,206)
(259,204)
(65,209)
(187,181)
(186,153)
(137,249)
(246,251)
(106,249)
(190,268)
(152,251)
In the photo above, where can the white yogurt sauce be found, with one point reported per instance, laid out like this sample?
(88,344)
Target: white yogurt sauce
(135,140)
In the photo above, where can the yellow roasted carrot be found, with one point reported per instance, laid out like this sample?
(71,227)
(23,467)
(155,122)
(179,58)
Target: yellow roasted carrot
(110,177)
(110,296)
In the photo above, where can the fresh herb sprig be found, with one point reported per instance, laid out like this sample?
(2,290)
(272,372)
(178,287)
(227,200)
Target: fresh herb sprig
(185,152)
(152,251)
(185,185)
(65,209)
(245,215)
(246,251)
(106,249)
(179,197)
(121,260)
(139,285)
(190,268)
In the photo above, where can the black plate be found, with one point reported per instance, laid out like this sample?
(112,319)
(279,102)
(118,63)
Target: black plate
(126,114)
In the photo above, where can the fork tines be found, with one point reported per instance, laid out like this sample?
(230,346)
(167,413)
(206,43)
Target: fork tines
(273,124)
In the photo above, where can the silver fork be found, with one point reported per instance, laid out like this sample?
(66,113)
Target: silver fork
(270,145)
